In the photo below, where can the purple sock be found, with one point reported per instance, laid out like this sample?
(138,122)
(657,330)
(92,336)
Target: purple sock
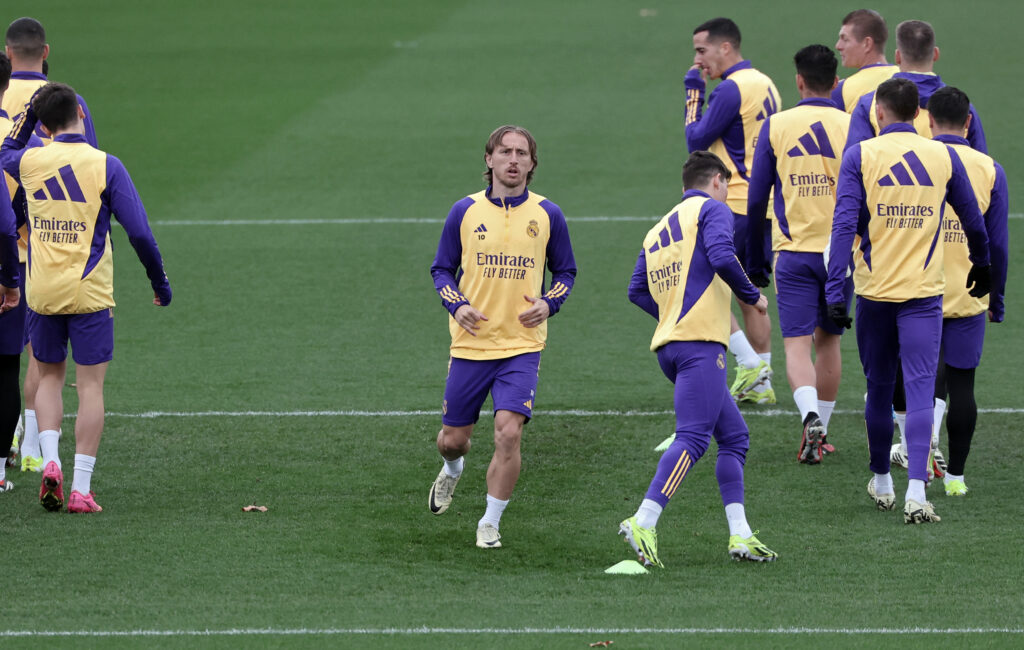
(673,467)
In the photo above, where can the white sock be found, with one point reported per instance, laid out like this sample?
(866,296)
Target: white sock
(737,518)
(492,515)
(940,410)
(825,411)
(48,444)
(767,358)
(951,477)
(806,398)
(883,484)
(3,468)
(901,423)
(19,430)
(30,443)
(453,468)
(648,513)
(915,490)
(82,478)
(740,347)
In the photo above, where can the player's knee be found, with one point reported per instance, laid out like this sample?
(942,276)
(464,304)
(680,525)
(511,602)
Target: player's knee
(507,436)
(453,442)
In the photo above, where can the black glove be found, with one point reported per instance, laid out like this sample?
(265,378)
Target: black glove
(759,280)
(979,280)
(837,314)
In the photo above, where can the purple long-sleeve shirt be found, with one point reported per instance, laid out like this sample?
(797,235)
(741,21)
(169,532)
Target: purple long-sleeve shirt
(90,130)
(715,237)
(860,122)
(852,215)
(9,276)
(721,118)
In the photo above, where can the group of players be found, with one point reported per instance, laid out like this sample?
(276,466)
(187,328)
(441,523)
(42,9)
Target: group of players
(56,267)
(886,170)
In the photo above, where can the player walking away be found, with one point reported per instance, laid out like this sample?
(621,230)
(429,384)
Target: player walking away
(489,272)
(72,190)
(916,54)
(891,193)
(963,323)
(25,44)
(12,321)
(798,153)
(683,278)
(728,127)
(861,45)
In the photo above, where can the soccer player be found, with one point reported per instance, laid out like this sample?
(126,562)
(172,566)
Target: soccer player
(891,193)
(728,127)
(963,324)
(683,277)
(798,154)
(861,45)
(489,272)
(72,190)
(12,320)
(25,44)
(916,54)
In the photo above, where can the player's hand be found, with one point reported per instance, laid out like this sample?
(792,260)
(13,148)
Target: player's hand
(837,314)
(759,280)
(11,296)
(467,317)
(703,72)
(979,280)
(762,304)
(536,314)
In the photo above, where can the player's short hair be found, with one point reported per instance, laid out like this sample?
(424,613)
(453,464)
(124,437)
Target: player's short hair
(495,140)
(949,107)
(5,72)
(868,22)
(817,65)
(720,29)
(701,167)
(899,97)
(56,106)
(915,39)
(26,38)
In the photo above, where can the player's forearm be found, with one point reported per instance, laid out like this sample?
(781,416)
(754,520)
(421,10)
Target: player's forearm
(9,276)
(639,291)
(448,289)
(14,144)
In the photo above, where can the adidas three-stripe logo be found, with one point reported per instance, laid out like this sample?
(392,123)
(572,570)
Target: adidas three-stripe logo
(814,143)
(902,177)
(672,233)
(57,193)
(481,228)
(770,108)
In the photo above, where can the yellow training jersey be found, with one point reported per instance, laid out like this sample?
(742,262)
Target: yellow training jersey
(956,302)
(693,301)
(862,82)
(500,249)
(12,186)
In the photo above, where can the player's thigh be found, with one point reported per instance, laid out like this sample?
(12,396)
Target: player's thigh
(92,337)
(877,339)
(12,329)
(698,371)
(49,335)
(466,387)
(919,322)
(515,385)
(963,340)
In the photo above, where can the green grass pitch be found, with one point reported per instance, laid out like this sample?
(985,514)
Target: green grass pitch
(287,118)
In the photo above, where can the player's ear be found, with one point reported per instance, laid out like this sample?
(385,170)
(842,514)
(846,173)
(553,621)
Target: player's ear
(967,124)
(931,122)
(81,112)
(935,54)
(898,59)
(835,82)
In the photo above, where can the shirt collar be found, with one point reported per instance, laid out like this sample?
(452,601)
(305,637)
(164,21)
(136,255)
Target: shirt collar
(23,74)
(952,139)
(511,202)
(816,101)
(70,137)
(898,127)
(742,65)
(692,193)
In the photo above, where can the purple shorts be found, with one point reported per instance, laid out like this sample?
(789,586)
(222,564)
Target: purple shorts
(13,333)
(962,340)
(739,231)
(512,383)
(800,292)
(91,337)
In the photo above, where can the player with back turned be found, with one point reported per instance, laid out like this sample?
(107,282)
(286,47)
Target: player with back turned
(728,127)
(861,45)
(684,277)
(489,272)
(798,153)
(12,318)
(72,190)
(891,193)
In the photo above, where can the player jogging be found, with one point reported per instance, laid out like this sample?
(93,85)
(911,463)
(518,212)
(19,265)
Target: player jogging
(489,272)
(72,190)
(684,277)
(728,127)
(891,193)
(798,153)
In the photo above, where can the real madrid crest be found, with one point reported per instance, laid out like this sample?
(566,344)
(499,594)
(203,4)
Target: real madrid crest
(720,362)
(533,229)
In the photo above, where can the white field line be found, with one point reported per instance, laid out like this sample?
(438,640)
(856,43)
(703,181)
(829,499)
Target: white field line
(379,220)
(436,412)
(506,631)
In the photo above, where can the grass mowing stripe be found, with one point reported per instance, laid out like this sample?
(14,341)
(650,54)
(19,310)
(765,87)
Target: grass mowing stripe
(502,631)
